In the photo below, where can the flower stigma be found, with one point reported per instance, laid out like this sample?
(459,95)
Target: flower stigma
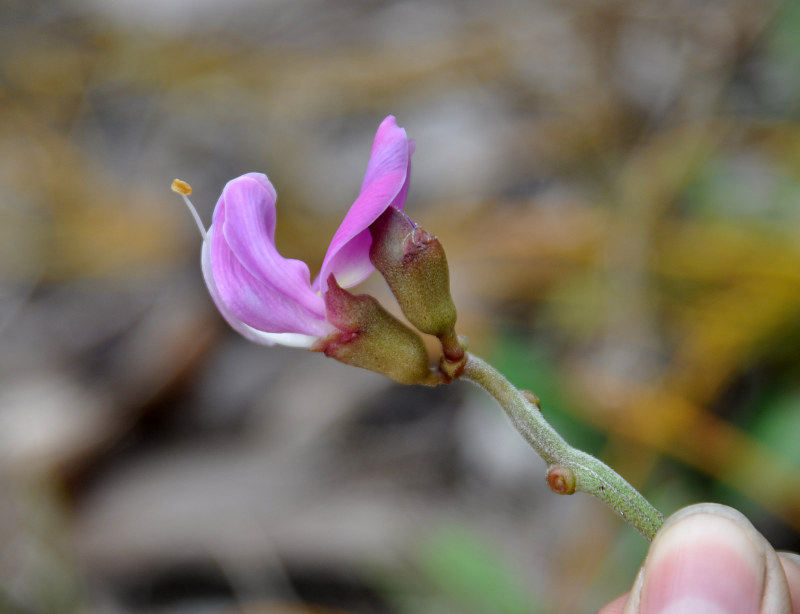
(184,189)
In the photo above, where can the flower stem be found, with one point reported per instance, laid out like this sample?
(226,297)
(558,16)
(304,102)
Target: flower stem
(583,472)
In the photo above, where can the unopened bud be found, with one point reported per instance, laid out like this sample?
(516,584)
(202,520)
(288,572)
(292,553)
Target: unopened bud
(371,338)
(531,398)
(561,480)
(414,265)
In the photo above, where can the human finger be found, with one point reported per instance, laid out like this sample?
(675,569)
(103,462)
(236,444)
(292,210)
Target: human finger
(708,558)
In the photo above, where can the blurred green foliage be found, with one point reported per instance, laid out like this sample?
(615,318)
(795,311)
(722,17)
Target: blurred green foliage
(462,573)
(530,367)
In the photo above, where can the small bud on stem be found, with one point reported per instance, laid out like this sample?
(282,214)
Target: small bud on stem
(561,480)
(532,399)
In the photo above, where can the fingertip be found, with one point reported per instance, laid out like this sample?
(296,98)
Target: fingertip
(790,562)
(616,606)
(707,558)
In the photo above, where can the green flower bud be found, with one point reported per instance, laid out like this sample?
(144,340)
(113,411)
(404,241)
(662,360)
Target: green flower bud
(414,265)
(371,338)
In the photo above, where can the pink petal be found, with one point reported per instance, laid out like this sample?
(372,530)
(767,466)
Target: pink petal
(390,150)
(252,282)
(385,185)
(248,332)
(246,214)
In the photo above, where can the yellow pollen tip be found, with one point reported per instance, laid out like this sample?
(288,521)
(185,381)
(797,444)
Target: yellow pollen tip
(181,187)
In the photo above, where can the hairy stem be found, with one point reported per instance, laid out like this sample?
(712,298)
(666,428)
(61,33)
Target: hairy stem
(590,475)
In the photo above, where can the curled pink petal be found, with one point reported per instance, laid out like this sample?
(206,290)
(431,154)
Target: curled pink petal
(246,214)
(257,304)
(248,332)
(247,277)
(385,185)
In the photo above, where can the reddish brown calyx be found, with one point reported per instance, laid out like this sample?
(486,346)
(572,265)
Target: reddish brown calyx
(371,338)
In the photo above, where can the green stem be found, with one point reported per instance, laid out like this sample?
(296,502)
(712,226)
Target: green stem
(591,475)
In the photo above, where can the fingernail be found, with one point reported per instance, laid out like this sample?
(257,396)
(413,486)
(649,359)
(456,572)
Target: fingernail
(702,564)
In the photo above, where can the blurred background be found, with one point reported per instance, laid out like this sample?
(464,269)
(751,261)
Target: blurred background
(617,185)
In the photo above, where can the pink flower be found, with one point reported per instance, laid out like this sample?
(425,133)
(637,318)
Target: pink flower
(271,299)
